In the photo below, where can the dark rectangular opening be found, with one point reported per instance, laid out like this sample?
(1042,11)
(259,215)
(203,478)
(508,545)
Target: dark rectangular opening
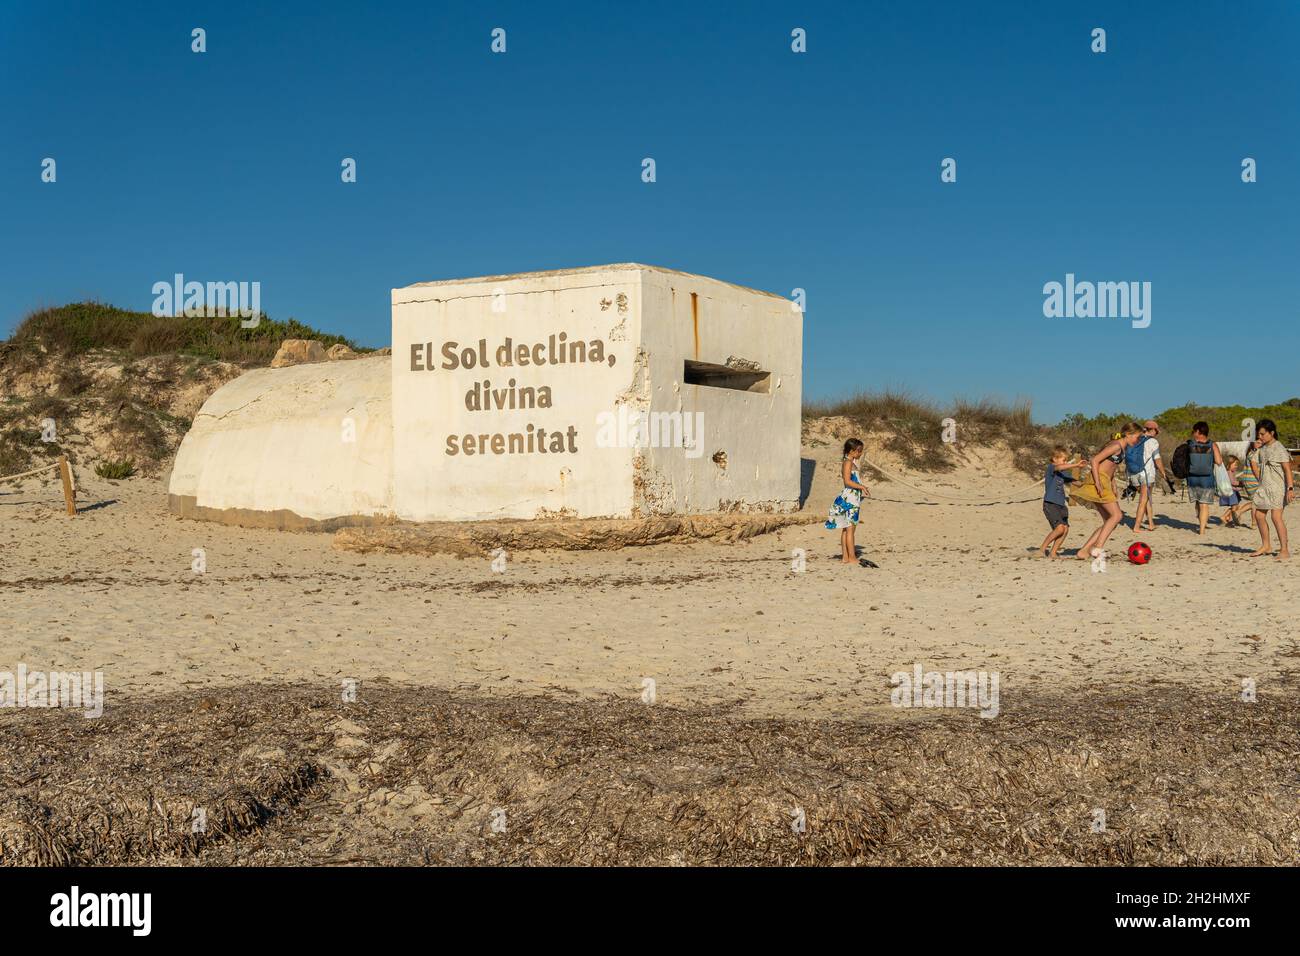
(724,376)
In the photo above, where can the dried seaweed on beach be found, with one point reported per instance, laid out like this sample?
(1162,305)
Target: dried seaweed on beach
(293,775)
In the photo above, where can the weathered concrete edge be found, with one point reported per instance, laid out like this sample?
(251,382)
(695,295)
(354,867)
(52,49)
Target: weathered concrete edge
(480,534)
(466,539)
(187,506)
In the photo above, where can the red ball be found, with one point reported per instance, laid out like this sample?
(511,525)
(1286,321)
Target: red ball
(1139,553)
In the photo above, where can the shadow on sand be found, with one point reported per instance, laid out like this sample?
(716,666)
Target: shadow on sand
(807,467)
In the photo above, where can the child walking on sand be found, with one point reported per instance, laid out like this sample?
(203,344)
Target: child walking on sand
(1236,502)
(844,510)
(1055,508)
(1249,483)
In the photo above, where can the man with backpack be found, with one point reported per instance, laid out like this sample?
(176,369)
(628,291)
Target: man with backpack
(1194,461)
(1142,461)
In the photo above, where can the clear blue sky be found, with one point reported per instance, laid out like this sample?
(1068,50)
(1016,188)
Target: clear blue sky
(775,170)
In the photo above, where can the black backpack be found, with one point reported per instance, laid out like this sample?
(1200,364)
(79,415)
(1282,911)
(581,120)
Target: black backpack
(1181,466)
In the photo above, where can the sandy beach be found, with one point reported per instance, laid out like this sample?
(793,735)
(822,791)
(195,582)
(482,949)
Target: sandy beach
(957,588)
(504,716)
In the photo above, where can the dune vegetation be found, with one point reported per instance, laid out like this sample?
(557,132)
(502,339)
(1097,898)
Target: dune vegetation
(915,430)
(121,385)
(81,327)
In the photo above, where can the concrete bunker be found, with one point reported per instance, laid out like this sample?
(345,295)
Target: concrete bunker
(597,392)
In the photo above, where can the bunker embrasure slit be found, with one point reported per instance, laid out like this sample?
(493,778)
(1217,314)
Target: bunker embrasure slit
(723,376)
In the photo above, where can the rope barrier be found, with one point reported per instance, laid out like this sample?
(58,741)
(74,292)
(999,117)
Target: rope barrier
(955,499)
(952,504)
(34,471)
(65,474)
(983,502)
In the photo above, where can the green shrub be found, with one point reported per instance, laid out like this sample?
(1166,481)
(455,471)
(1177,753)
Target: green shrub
(1225,420)
(115,470)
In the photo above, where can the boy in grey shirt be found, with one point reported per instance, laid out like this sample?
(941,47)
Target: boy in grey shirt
(1055,508)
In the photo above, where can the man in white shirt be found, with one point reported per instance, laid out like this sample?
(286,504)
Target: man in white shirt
(1151,463)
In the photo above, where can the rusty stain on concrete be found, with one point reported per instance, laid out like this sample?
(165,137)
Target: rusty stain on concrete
(695,321)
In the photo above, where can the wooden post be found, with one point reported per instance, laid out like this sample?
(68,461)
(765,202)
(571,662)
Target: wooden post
(65,472)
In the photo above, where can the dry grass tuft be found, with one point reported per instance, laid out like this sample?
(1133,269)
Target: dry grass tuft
(915,431)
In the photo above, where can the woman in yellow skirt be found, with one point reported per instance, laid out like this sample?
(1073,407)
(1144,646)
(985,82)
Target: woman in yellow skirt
(1098,489)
